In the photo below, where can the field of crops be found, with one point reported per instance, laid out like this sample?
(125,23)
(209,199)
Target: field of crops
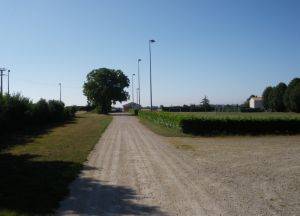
(211,123)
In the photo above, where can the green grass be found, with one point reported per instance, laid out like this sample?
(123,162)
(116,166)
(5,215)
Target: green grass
(161,130)
(225,123)
(240,114)
(36,171)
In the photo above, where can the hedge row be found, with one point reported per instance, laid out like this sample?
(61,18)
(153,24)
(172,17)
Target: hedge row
(216,125)
(18,112)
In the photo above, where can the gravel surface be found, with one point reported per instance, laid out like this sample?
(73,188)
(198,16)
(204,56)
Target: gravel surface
(133,171)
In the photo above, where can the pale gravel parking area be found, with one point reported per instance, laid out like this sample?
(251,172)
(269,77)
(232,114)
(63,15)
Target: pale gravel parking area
(133,171)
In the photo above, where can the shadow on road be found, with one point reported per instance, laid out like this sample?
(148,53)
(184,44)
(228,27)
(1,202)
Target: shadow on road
(29,186)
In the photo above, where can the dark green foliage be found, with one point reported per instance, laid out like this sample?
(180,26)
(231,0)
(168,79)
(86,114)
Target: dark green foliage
(41,111)
(207,126)
(18,112)
(294,96)
(216,124)
(266,97)
(291,96)
(105,87)
(205,104)
(277,94)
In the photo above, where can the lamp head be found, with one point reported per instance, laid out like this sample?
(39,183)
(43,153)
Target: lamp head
(152,41)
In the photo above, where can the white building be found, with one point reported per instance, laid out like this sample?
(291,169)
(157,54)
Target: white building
(256,102)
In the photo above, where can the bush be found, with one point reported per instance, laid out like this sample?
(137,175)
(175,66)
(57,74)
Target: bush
(216,124)
(41,111)
(18,112)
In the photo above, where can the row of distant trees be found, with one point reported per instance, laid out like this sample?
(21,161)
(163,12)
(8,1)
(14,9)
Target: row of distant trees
(282,97)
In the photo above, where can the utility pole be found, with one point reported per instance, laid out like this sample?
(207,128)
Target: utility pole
(1,74)
(8,81)
(132,86)
(139,88)
(137,95)
(59,92)
(150,41)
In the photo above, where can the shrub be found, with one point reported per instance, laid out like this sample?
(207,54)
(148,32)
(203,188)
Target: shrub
(216,124)
(41,111)
(18,112)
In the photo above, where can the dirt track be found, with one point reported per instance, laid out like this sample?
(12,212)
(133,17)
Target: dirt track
(133,171)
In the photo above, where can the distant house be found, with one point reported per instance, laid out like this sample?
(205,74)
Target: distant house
(256,103)
(131,105)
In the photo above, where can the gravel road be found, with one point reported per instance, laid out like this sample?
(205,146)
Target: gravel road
(133,171)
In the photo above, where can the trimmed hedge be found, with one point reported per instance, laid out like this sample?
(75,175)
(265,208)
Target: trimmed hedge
(18,112)
(216,125)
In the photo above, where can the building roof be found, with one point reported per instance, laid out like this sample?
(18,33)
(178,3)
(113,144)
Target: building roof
(256,98)
(131,104)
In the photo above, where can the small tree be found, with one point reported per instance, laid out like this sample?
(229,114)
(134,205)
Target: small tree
(205,103)
(105,87)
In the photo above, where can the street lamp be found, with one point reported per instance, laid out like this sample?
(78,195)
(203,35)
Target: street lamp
(132,85)
(8,81)
(59,92)
(139,88)
(150,42)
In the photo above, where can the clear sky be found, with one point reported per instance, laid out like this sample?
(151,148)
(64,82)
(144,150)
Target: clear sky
(224,49)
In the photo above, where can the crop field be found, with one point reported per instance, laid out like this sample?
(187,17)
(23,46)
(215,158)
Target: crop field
(240,114)
(215,123)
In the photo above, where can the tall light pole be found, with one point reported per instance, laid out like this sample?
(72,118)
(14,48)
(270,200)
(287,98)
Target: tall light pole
(8,82)
(137,95)
(59,92)
(139,88)
(132,85)
(150,42)
(1,74)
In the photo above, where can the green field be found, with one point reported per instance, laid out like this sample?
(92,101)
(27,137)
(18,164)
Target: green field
(36,171)
(240,114)
(225,123)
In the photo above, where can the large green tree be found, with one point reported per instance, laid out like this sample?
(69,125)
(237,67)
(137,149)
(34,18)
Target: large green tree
(292,96)
(105,87)
(277,97)
(267,94)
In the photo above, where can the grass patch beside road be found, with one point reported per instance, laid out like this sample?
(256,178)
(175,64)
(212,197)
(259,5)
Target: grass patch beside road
(161,130)
(35,174)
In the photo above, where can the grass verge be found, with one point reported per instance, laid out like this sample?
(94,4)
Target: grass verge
(36,172)
(162,130)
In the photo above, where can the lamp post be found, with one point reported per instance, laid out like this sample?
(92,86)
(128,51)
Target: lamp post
(150,42)
(59,92)
(132,85)
(139,87)
(8,82)
(1,74)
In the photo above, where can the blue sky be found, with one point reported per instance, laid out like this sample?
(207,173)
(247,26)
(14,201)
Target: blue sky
(224,49)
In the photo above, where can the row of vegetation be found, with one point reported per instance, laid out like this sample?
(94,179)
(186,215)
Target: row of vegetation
(18,112)
(283,97)
(225,124)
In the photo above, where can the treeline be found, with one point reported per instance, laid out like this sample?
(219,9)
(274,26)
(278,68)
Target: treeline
(18,112)
(283,97)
